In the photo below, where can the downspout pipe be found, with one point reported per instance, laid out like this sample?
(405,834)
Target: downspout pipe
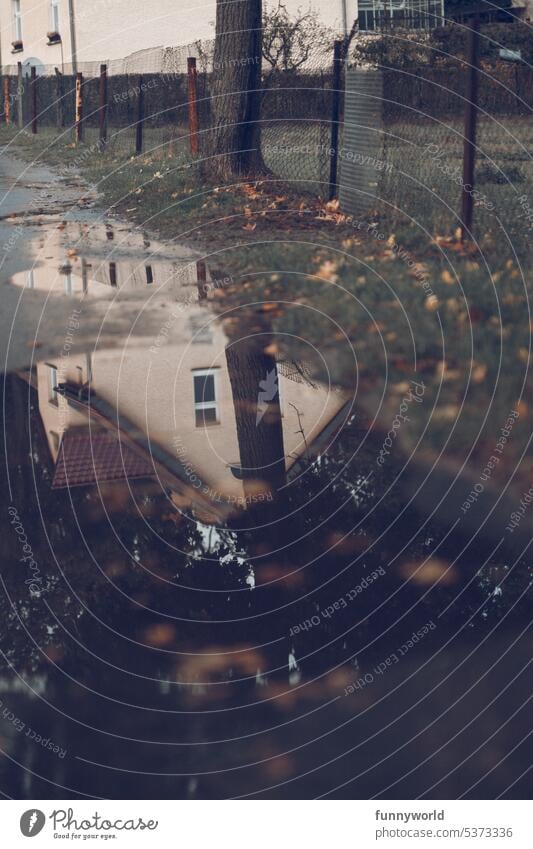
(73,48)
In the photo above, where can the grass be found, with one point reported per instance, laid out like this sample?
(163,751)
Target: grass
(419,185)
(381,304)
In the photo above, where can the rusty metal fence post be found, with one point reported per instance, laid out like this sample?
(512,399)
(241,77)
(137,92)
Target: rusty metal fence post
(33,99)
(470,129)
(7,101)
(335,115)
(139,127)
(192,98)
(79,108)
(102,115)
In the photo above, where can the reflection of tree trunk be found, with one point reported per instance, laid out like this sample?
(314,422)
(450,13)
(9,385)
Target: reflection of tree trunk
(254,384)
(235,137)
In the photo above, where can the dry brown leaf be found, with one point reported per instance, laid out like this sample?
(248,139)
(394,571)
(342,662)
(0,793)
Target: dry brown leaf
(328,270)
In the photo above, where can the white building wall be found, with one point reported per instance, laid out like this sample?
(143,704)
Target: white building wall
(108,30)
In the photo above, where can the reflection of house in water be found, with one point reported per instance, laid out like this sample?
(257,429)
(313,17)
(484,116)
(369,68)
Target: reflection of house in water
(194,409)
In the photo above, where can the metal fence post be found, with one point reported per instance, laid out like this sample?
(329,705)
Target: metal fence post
(469,154)
(33,99)
(59,100)
(103,106)
(140,118)
(192,98)
(335,115)
(20,89)
(7,101)
(79,108)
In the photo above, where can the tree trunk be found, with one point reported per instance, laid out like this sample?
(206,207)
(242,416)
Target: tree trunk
(235,139)
(254,385)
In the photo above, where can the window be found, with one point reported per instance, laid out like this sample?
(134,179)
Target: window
(413,14)
(52,384)
(54,16)
(149,275)
(17,20)
(205,400)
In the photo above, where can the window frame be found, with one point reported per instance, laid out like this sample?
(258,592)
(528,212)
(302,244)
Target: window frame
(199,406)
(54,16)
(17,19)
(53,383)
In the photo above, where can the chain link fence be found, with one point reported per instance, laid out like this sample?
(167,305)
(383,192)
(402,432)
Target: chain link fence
(405,146)
(160,100)
(400,142)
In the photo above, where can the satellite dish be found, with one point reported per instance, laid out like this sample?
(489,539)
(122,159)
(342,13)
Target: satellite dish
(33,63)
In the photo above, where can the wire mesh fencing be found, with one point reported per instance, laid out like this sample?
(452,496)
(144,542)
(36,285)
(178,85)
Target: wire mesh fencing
(161,101)
(398,135)
(406,146)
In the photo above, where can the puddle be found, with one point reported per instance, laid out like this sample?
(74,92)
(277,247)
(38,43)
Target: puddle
(211,586)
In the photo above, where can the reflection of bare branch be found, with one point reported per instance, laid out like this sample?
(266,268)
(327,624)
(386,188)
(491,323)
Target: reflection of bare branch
(300,428)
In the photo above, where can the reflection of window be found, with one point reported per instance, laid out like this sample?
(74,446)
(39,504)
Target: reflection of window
(205,401)
(30,279)
(54,15)
(17,20)
(202,333)
(113,273)
(149,275)
(52,384)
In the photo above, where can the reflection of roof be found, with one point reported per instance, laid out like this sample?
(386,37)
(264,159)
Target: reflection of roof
(87,458)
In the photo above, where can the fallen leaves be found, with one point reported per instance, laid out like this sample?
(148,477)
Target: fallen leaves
(328,271)
(428,572)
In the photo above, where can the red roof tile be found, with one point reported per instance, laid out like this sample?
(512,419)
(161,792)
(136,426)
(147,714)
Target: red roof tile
(87,458)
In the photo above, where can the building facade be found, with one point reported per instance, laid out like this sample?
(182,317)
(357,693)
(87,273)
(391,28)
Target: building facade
(63,33)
